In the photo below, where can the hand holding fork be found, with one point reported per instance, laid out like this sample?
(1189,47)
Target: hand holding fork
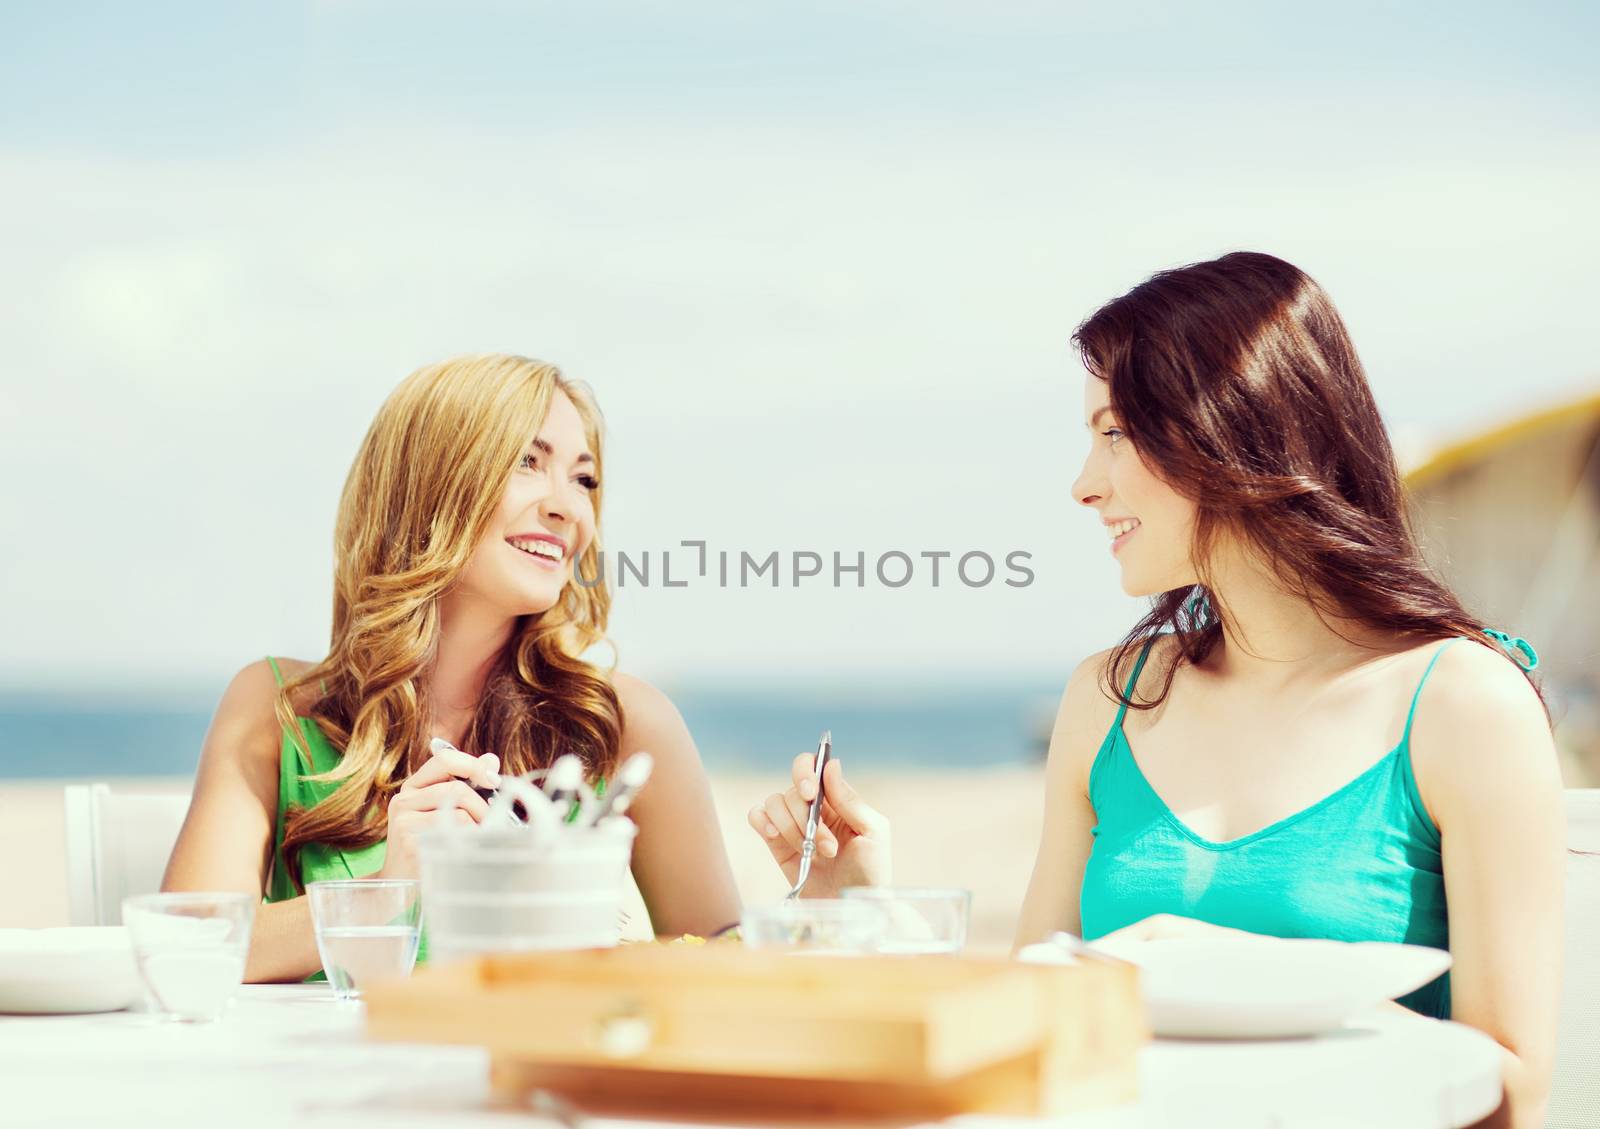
(850,838)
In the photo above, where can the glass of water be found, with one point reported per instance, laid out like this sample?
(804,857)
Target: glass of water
(367,930)
(190,949)
(918,921)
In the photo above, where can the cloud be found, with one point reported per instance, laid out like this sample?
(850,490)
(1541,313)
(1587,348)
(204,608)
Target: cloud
(807,332)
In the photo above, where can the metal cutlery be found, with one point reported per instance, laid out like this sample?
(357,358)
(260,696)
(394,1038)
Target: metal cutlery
(808,847)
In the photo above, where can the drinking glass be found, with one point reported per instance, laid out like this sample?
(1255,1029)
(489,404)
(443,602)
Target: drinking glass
(367,930)
(917,921)
(190,949)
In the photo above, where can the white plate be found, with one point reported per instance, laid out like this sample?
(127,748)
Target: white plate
(1265,988)
(67,970)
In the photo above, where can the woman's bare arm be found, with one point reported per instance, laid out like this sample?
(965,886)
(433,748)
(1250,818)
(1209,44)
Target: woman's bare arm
(226,841)
(1486,766)
(1051,903)
(679,859)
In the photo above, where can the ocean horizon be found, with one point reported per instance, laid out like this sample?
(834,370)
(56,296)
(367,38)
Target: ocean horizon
(59,734)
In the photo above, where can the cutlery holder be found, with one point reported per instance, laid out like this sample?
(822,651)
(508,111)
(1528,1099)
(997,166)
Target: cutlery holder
(510,890)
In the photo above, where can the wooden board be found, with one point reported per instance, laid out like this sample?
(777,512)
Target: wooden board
(669,1027)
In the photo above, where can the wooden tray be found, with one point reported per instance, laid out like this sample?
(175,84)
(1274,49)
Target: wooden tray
(659,1027)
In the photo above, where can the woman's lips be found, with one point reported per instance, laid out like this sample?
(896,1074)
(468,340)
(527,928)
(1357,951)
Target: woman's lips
(1120,541)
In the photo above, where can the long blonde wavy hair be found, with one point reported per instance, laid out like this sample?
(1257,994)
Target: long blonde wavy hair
(420,497)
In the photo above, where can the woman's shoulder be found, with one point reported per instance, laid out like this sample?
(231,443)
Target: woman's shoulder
(650,721)
(633,690)
(1469,683)
(1089,705)
(246,724)
(1095,682)
(1112,670)
(264,676)
(289,668)
(1480,729)
(643,704)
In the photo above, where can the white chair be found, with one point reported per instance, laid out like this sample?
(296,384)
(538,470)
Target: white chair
(117,845)
(1575,1097)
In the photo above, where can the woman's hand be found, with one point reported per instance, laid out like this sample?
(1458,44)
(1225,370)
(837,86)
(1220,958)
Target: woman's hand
(852,837)
(443,785)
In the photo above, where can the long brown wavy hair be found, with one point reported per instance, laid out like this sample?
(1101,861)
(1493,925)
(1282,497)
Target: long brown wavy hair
(1238,383)
(420,497)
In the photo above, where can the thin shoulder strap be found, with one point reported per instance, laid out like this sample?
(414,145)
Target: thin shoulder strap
(1138,667)
(278,674)
(1405,739)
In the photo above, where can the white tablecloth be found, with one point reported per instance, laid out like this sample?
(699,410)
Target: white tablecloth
(290,1055)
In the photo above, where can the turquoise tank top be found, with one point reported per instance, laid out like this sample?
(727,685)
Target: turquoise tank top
(1361,864)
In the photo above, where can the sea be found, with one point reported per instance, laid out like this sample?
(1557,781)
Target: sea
(934,726)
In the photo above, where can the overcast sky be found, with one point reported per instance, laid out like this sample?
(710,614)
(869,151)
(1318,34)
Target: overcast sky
(819,261)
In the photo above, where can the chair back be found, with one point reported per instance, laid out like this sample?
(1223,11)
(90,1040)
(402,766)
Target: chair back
(1575,1096)
(118,844)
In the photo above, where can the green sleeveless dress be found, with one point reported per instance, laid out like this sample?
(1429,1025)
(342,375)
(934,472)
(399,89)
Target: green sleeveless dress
(317,861)
(1362,864)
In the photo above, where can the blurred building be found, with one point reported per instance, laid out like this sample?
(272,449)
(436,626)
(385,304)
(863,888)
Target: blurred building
(1511,518)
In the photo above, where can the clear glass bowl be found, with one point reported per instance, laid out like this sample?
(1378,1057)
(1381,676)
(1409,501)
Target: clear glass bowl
(814,925)
(917,920)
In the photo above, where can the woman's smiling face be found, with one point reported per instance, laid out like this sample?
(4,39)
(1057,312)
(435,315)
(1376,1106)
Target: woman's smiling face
(544,523)
(1152,524)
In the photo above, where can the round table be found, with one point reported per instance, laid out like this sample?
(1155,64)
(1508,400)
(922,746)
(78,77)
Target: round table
(290,1054)
(1392,1069)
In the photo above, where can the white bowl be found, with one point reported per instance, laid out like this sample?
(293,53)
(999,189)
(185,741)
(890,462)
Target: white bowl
(67,970)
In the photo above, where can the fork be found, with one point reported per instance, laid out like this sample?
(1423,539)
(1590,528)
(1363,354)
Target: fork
(552,1105)
(808,847)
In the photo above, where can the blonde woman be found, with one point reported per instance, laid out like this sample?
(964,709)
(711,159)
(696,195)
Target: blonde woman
(469,516)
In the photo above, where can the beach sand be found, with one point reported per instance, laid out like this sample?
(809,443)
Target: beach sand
(976,830)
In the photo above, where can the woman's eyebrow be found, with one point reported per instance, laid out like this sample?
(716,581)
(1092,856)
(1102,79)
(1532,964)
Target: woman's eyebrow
(1094,420)
(541,445)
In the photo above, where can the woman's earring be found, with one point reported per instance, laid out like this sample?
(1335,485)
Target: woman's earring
(1198,609)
